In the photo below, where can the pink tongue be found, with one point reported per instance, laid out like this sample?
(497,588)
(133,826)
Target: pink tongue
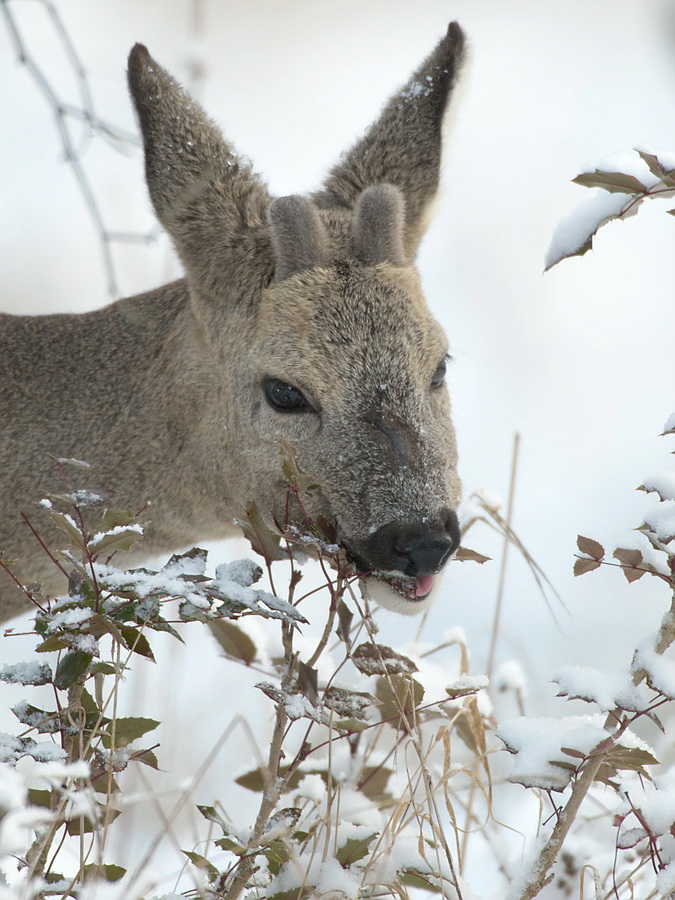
(423,585)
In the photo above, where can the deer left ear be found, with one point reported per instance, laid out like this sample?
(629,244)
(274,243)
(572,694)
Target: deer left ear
(379,220)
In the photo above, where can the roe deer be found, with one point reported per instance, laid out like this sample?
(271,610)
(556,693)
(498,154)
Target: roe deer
(300,317)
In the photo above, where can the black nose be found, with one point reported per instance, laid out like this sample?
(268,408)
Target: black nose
(415,550)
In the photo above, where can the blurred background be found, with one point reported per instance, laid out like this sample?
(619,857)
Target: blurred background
(578,361)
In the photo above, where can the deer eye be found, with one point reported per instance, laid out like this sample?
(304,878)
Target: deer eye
(439,375)
(283,397)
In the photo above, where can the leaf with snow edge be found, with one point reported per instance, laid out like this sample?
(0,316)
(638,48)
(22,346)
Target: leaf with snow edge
(84,499)
(43,722)
(114,518)
(347,704)
(72,666)
(120,538)
(31,672)
(75,463)
(536,743)
(466,684)
(234,642)
(608,691)
(65,523)
(264,540)
(191,564)
(296,705)
(590,547)
(662,484)
(573,236)
(630,838)
(659,670)
(653,164)
(211,814)
(374,659)
(614,182)
(465,554)
(256,779)
(283,820)
(244,571)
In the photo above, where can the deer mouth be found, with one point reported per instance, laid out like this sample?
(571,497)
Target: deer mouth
(401,594)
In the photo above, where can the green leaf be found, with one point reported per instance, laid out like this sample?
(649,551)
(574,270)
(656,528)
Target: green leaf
(234,642)
(51,644)
(121,538)
(373,782)
(412,878)
(653,163)
(226,843)
(72,666)
(137,641)
(68,526)
(212,815)
(345,616)
(263,539)
(116,518)
(614,182)
(148,758)
(128,730)
(399,695)
(354,850)
(108,872)
(201,862)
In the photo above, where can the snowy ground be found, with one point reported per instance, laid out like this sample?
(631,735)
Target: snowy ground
(579,361)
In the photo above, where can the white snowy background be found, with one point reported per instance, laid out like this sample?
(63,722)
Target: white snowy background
(579,361)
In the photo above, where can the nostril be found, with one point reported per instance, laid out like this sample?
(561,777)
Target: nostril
(451,525)
(425,556)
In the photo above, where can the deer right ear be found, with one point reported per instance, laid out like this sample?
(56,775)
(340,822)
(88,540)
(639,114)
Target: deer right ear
(209,201)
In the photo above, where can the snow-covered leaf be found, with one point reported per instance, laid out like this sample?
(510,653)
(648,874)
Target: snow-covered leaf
(374,659)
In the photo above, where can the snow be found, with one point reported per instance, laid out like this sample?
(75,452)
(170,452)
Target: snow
(33,671)
(669,426)
(663,483)
(607,690)
(510,676)
(69,618)
(660,669)
(574,229)
(662,521)
(537,742)
(626,161)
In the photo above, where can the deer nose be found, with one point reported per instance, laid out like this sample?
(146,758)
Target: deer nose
(414,550)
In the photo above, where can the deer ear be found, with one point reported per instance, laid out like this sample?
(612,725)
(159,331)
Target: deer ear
(379,220)
(209,201)
(299,238)
(403,146)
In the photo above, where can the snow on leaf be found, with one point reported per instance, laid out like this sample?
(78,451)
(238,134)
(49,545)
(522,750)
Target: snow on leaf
(347,704)
(466,684)
(661,521)
(607,690)
(31,672)
(662,484)
(669,427)
(374,659)
(573,236)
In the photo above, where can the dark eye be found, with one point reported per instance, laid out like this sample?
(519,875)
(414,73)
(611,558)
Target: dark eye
(439,375)
(282,396)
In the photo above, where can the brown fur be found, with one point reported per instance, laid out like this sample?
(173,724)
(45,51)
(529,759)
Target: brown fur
(162,393)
